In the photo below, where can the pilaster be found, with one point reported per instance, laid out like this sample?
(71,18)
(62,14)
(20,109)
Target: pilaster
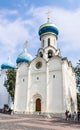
(28,90)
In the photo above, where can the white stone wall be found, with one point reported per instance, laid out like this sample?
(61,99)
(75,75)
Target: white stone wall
(37,86)
(4,95)
(53,83)
(69,87)
(20,102)
(54,88)
(53,41)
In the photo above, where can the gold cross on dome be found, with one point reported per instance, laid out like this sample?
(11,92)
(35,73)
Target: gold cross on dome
(48,15)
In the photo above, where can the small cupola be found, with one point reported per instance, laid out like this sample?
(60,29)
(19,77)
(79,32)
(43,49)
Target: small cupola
(24,56)
(7,65)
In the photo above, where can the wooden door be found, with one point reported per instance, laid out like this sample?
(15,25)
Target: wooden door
(38,104)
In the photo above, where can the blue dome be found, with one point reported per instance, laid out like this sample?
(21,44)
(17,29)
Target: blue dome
(6,66)
(24,57)
(48,28)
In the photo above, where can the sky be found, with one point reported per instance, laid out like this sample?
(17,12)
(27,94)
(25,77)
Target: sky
(20,21)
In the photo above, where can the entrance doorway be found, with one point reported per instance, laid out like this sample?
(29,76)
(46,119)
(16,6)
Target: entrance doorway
(38,104)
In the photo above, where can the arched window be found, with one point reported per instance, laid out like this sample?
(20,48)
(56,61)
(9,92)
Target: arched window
(41,55)
(48,41)
(43,43)
(50,54)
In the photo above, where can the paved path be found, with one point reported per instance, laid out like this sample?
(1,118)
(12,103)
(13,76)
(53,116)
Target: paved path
(28,122)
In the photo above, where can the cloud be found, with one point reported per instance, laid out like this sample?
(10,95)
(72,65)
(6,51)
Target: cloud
(6,12)
(68,23)
(71,1)
(14,32)
(23,4)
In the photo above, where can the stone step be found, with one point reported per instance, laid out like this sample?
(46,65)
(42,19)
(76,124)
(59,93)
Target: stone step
(43,115)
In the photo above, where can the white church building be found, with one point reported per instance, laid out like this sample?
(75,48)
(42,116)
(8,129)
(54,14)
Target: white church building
(5,98)
(47,83)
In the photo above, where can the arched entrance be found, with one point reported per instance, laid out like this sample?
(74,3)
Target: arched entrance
(38,104)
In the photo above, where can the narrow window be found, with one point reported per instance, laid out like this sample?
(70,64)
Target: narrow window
(23,80)
(43,43)
(48,41)
(41,55)
(37,78)
(53,76)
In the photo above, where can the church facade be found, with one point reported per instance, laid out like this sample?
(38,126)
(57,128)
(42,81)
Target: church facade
(47,83)
(4,95)
(5,98)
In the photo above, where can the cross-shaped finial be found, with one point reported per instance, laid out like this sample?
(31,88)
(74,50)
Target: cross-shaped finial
(48,15)
(8,59)
(9,52)
(25,44)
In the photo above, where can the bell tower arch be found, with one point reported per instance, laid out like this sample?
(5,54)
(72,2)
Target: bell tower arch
(48,33)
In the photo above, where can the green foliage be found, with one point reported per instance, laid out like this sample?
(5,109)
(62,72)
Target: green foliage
(5,105)
(77,71)
(10,82)
(78,101)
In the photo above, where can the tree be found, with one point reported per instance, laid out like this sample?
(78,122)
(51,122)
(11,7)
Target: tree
(78,101)
(77,71)
(10,82)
